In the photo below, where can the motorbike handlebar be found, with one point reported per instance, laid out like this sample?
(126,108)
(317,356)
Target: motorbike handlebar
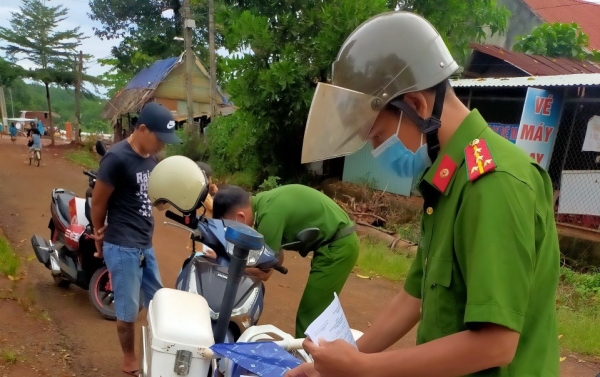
(173,216)
(188,221)
(90,174)
(281,269)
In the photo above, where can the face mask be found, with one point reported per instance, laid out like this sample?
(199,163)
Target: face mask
(394,157)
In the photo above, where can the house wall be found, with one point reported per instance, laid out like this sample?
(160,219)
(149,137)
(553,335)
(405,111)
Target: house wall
(521,22)
(170,104)
(174,88)
(40,115)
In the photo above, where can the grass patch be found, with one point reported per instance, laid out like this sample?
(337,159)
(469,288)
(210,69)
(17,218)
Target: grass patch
(410,231)
(376,259)
(9,357)
(83,157)
(578,301)
(580,330)
(9,262)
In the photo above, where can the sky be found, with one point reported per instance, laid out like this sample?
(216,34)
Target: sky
(78,16)
(78,10)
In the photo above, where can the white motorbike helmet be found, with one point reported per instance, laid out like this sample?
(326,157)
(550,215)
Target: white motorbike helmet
(178,181)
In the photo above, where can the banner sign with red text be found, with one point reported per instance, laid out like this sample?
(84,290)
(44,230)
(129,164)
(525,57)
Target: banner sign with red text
(539,124)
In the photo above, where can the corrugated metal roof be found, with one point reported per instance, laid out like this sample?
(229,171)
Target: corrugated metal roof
(535,65)
(584,13)
(559,80)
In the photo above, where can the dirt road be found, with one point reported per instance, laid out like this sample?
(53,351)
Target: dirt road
(91,342)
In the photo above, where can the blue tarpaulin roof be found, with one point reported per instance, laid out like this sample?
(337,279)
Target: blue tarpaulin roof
(152,76)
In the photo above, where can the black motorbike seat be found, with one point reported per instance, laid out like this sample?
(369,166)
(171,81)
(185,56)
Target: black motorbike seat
(62,201)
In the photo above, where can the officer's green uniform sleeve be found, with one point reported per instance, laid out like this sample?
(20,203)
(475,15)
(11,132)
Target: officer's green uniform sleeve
(414,279)
(271,226)
(495,246)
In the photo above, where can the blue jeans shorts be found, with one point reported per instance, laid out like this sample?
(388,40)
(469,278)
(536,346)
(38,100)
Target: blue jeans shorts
(129,278)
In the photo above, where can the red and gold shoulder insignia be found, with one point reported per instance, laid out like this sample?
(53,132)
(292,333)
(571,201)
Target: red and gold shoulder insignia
(444,173)
(478,159)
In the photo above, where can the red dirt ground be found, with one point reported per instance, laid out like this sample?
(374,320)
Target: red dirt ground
(58,333)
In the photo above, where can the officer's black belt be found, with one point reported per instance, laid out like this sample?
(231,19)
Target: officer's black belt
(341,233)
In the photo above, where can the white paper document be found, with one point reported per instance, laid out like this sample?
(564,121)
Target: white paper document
(331,325)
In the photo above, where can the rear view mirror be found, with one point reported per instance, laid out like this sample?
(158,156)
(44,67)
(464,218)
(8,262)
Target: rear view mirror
(100,148)
(308,235)
(304,236)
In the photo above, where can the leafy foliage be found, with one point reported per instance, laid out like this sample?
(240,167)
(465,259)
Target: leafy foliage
(34,36)
(193,146)
(460,22)
(9,72)
(147,34)
(114,79)
(557,40)
(232,146)
(293,44)
(270,183)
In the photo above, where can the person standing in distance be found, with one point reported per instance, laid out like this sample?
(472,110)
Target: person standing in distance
(483,283)
(120,198)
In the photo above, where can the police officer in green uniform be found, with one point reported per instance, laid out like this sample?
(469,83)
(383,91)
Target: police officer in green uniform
(279,215)
(483,284)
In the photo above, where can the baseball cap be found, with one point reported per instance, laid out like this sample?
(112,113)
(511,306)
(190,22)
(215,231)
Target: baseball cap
(159,120)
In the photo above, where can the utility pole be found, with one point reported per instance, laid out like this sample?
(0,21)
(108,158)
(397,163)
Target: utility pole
(12,104)
(78,96)
(189,24)
(3,112)
(213,62)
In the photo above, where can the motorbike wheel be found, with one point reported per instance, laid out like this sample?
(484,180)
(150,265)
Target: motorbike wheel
(101,297)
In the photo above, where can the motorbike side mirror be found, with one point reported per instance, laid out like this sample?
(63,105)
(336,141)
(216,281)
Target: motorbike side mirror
(100,148)
(308,235)
(303,237)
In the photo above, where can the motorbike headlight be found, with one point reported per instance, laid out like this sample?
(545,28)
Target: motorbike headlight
(253,255)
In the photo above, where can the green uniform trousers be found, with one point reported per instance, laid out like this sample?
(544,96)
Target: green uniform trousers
(330,267)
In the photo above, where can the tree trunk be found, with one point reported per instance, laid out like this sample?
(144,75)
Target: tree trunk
(50,115)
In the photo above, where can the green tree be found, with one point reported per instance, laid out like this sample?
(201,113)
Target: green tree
(146,35)
(293,44)
(35,37)
(557,40)
(9,72)
(114,79)
(460,22)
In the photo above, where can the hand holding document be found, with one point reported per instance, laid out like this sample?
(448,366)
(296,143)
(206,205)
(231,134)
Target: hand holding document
(330,325)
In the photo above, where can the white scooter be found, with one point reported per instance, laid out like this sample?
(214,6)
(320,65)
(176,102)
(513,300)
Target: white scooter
(179,335)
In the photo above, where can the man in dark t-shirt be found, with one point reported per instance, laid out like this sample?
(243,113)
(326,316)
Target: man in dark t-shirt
(120,199)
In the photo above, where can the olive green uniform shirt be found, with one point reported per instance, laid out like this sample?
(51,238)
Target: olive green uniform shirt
(489,251)
(281,213)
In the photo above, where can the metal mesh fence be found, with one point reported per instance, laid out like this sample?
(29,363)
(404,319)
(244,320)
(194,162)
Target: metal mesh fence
(574,167)
(575,171)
